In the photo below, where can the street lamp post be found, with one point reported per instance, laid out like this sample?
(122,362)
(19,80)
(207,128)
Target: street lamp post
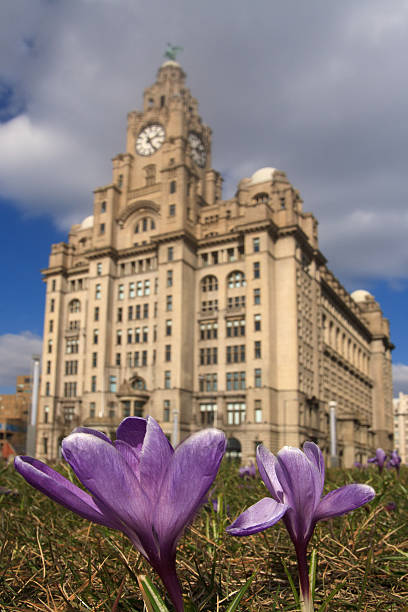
(334,461)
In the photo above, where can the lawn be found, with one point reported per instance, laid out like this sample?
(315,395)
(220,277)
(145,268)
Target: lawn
(52,560)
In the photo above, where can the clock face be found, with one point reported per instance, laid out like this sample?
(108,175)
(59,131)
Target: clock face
(197,147)
(150,139)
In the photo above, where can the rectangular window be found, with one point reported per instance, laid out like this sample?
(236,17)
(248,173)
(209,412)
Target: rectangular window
(45,446)
(48,367)
(167,379)
(119,316)
(103,207)
(117,359)
(166,411)
(145,334)
(167,352)
(236,413)
(93,383)
(102,228)
(98,269)
(112,384)
(170,253)
(126,408)
(258,411)
(119,336)
(257,269)
(144,358)
(147,287)
(129,336)
(169,325)
(132,290)
(169,278)
(258,377)
(53,285)
(135,359)
(46,413)
(145,311)
(208,382)
(92,410)
(137,312)
(257,349)
(94,360)
(137,335)
(52,305)
(121,292)
(130,313)
(96,313)
(255,245)
(95,336)
(139,291)
(172,210)
(51,326)
(257,322)
(169,303)
(207,414)
(257,296)
(47,388)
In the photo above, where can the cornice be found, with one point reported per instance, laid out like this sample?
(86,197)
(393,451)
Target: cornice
(106,187)
(176,235)
(343,306)
(108,251)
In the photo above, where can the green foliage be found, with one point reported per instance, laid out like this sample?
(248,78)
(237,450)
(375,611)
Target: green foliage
(51,559)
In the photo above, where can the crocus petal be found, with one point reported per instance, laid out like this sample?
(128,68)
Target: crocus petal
(132,430)
(107,475)
(301,485)
(190,475)
(343,500)
(155,458)
(92,432)
(130,454)
(61,490)
(258,517)
(266,465)
(313,452)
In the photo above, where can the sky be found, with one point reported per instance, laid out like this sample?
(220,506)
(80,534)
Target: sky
(317,89)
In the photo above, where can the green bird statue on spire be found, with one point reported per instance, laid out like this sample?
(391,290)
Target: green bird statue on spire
(171,51)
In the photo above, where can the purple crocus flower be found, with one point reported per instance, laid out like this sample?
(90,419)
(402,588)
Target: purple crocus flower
(137,484)
(247,471)
(295,480)
(379,459)
(395,461)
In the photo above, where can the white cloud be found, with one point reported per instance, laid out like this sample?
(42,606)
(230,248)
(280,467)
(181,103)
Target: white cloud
(400,378)
(16,351)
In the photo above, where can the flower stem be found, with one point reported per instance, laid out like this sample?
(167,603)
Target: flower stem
(303,571)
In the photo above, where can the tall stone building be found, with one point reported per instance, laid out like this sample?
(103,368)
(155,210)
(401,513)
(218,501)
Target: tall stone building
(170,301)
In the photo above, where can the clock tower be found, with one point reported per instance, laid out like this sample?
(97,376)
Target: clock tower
(168,154)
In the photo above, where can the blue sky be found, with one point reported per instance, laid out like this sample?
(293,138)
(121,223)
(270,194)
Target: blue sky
(315,89)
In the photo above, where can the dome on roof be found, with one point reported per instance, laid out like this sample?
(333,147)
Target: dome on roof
(172,63)
(361,295)
(87,222)
(263,175)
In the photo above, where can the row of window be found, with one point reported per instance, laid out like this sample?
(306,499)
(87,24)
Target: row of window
(233,303)
(236,413)
(234,381)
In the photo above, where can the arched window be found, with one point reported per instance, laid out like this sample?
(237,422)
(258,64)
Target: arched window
(138,384)
(74,306)
(260,198)
(209,283)
(233,449)
(236,279)
(145,224)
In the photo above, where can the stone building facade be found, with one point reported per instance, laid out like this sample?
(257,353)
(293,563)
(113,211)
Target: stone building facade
(401,425)
(171,301)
